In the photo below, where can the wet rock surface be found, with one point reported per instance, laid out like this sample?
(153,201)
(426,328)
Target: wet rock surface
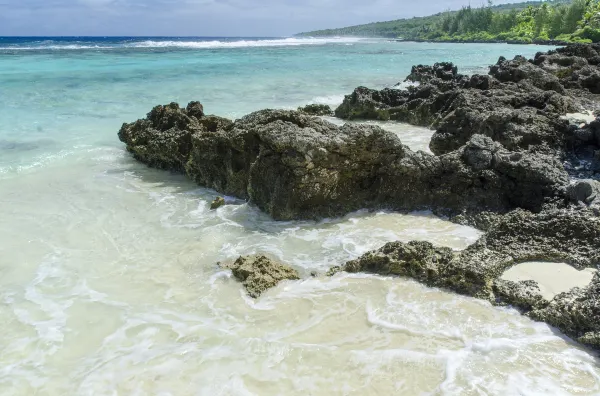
(260,273)
(316,110)
(518,104)
(217,203)
(569,236)
(295,166)
(506,161)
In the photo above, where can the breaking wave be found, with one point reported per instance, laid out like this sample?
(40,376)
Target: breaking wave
(190,44)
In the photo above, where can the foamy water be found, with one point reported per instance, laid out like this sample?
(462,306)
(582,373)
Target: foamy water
(108,275)
(182,43)
(117,291)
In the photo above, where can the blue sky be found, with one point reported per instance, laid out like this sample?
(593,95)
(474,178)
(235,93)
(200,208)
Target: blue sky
(202,17)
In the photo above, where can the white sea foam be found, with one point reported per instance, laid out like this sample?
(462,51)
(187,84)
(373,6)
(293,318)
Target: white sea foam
(331,100)
(200,44)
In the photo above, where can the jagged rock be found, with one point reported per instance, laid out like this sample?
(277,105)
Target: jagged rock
(217,203)
(419,260)
(566,235)
(195,109)
(571,236)
(164,139)
(576,313)
(295,166)
(445,71)
(518,105)
(525,294)
(586,192)
(499,142)
(260,273)
(316,110)
(519,69)
(370,104)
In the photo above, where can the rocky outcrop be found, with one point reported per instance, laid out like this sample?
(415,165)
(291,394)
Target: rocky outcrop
(518,104)
(260,273)
(576,313)
(575,65)
(570,236)
(316,110)
(295,166)
(445,71)
(506,161)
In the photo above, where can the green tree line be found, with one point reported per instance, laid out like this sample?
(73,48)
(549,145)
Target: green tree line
(561,20)
(578,21)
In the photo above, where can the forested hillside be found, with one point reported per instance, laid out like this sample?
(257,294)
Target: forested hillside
(560,20)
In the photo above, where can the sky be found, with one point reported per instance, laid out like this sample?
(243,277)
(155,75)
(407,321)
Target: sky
(265,18)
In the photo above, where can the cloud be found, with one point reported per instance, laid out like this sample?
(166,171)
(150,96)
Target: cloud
(201,17)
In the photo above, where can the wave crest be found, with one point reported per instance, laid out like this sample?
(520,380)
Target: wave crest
(191,44)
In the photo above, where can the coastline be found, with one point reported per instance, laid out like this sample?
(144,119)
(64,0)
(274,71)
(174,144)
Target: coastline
(536,42)
(457,41)
(516,190)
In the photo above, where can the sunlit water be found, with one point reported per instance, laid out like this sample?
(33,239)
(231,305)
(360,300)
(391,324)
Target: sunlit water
(108,275)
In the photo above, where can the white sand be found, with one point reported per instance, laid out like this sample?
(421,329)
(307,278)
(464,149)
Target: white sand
(553,278)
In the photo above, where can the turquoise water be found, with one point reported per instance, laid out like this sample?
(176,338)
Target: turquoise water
(60,95)
(108,275)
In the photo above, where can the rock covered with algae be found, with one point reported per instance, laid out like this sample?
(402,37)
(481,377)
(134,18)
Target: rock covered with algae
(569,236)
(295,166)
(260,273)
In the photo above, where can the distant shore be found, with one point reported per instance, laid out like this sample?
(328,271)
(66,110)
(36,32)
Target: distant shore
(538,42)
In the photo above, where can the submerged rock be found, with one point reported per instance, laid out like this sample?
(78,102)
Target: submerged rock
(217,203)
(260,273)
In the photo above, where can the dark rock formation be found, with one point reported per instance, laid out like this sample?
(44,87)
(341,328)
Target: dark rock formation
(576,313)
(260,273)
(575,65)
(295,166)
(505,162)
(571,236)
(518,104)
(316,110)
(217,203)
(445,71)
(525,295)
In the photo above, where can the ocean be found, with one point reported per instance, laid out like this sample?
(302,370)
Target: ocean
(108,275)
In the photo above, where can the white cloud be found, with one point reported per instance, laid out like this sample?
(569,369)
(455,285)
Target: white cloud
(201,17)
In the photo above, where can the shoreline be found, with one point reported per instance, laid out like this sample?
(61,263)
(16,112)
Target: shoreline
(534,42)
(518,178)
(417,40)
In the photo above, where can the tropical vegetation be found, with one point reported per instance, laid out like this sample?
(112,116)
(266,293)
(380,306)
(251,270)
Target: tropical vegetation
(530,22)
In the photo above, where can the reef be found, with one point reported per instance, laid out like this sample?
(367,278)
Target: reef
(569,236)
(508,158)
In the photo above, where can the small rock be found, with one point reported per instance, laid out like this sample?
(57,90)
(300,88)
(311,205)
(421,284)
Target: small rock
(195,109)
(586,191)
(316,110)
(260,273)
(217,203)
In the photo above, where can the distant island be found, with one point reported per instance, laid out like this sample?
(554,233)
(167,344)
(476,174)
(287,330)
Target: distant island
(554,21)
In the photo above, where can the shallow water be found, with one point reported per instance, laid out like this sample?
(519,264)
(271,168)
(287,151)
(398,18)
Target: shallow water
(108,275)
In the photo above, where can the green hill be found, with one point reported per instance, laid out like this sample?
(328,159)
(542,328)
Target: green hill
(563,20)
